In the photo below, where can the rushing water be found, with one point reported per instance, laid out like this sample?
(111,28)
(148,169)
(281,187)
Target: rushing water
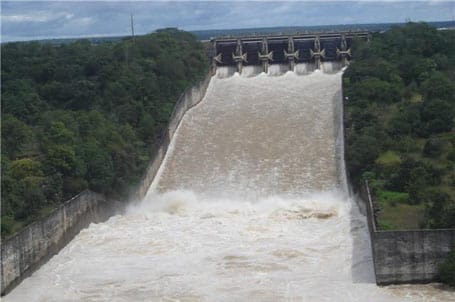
(249,205)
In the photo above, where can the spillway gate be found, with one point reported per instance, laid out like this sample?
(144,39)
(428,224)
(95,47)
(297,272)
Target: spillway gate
(285,49)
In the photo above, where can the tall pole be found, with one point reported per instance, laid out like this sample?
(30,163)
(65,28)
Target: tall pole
(132,27)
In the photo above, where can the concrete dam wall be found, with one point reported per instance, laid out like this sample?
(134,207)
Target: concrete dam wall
(406,256)
(35,244)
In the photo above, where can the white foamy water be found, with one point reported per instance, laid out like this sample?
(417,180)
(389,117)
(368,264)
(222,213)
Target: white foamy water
(250,205)
(258,136)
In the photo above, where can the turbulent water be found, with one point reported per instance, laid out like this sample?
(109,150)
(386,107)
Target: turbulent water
(250,205)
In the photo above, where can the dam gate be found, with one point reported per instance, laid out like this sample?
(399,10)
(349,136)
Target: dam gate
(284,49)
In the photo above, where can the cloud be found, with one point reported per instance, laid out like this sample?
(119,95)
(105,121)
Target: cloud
(85,21)
(41,16)
(29,20)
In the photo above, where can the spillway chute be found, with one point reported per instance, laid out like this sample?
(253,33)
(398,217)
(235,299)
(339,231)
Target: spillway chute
(249,204)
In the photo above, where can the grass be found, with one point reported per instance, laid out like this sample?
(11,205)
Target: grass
(400,216)
(388,158)
(416,98)
(393,198)
(395,211)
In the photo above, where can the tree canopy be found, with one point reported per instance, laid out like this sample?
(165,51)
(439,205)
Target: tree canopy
(400,110)
(80,115)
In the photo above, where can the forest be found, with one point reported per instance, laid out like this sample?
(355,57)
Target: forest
(86,116)
(399,95)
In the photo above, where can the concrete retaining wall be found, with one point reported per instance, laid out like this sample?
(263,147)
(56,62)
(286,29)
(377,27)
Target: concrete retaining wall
(406,256)
(188,99)
(26,251)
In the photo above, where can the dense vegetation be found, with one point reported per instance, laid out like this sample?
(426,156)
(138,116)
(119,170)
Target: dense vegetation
(80,116)
(400,104)
(446,272)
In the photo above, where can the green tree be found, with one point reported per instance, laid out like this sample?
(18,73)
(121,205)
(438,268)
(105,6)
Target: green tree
(61,158)
(438,86)
(100,169)
(16,136)
(433,147)
(438,115)
(86,115)
(402,81)
(440,210)
(446,272)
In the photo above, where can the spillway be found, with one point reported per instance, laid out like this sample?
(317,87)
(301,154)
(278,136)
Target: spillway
(250,204)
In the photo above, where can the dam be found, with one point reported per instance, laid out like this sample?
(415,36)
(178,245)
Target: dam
(287,50)
(250,204)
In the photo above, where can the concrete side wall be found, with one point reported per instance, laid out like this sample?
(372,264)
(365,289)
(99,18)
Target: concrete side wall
(410,256)
(28,250)
(367,207)
(406,256)
(191,97)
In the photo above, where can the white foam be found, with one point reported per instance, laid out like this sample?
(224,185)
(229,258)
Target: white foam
(224,72)
(277,69)
(304,68)
(251,71)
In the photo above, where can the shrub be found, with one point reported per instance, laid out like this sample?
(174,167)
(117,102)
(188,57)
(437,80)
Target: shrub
(392,197)
(407,121)
(7,223)
(437,115)
(386,225)
(446,269)
(388,162)
(361,153)
(388,158)
(433,147)
(368,175)
(440,210)
(376,90)
(451,155)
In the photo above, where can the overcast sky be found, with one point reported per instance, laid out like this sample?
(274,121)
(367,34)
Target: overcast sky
(56,19)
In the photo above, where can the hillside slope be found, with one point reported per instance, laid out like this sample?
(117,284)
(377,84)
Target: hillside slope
(400,103)
(81,115)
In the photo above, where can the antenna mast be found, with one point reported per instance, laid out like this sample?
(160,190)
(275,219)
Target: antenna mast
(132,27)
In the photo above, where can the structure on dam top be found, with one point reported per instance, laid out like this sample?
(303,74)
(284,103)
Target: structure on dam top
(285,49)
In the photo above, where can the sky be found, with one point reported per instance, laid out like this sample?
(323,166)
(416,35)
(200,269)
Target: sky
(29,20)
